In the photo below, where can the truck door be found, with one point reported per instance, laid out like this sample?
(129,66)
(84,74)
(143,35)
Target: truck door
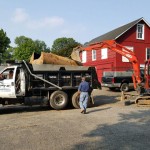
(20,84)
(7,83)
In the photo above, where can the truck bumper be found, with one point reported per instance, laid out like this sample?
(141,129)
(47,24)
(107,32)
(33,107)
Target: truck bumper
(115,85)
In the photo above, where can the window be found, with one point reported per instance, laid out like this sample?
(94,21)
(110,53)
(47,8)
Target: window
(140,31)
(7,74)
(83,56)
(147,53)
(104,53)
(124,59)
(93,54)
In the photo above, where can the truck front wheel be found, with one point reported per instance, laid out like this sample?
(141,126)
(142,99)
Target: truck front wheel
(124,87)
(58,100)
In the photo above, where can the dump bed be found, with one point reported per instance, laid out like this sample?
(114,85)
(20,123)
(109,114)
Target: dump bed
(49,76)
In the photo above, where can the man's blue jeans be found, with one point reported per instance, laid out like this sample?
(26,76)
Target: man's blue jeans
(83,100)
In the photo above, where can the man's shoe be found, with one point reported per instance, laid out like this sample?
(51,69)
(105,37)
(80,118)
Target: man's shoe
(82,111)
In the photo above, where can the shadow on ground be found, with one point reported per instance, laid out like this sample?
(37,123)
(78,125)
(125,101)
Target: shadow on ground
(103,99)
(22,109)
(95,110)
(130,133)
(98,101)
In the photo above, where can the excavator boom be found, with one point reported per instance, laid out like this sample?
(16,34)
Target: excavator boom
(142,89)
(122,50)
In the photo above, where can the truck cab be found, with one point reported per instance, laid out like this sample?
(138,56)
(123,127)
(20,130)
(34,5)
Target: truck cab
(12,82)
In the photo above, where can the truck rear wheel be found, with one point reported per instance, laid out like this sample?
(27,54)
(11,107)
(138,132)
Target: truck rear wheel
(58,100)
(75,100)
(124,87)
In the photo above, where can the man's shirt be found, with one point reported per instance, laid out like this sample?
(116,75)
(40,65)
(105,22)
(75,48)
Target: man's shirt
(84,86)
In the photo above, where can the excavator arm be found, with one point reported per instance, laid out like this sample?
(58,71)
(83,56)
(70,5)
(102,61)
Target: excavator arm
(112,45)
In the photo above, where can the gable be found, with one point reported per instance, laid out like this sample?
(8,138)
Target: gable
(116,33)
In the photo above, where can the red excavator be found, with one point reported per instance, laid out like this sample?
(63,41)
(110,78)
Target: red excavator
(143,96)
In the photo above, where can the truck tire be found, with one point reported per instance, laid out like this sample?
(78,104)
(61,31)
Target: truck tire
(58,100)
(124,87)
(75,101)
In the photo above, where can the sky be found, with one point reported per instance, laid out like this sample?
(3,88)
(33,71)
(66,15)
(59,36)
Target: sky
(82,20)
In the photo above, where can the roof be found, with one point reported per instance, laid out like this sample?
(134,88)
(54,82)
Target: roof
(116,33)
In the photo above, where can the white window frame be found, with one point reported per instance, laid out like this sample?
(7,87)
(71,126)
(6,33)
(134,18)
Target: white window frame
(124,59)
(147,53)
(84,57)
(140,34)
(93,55)
(104,53)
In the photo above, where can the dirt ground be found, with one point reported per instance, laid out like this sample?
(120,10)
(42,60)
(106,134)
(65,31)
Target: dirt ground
(108,125)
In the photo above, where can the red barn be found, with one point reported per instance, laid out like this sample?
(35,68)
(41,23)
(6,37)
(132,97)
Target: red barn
(134,35)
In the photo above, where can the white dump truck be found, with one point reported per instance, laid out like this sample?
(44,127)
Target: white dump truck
(54,85)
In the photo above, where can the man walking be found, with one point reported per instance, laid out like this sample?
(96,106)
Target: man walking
(83,89)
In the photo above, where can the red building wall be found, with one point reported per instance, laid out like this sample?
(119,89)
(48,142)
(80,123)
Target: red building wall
(101,64)
(129,39)
(114,60)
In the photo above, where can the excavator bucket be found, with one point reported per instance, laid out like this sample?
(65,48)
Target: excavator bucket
(75,55)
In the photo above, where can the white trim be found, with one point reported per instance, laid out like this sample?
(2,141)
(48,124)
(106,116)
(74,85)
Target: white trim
(142,65)
(132,26)
(124,59)
(146,53)
(104,53)
(143,30)
(145,22)
(83,56)
(93,55)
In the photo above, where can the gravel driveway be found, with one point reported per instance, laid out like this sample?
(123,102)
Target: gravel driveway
(109,125)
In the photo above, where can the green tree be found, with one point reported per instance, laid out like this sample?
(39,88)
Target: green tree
(64,46)
(4,41)
(41,46)
(8,54)
(26,46)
